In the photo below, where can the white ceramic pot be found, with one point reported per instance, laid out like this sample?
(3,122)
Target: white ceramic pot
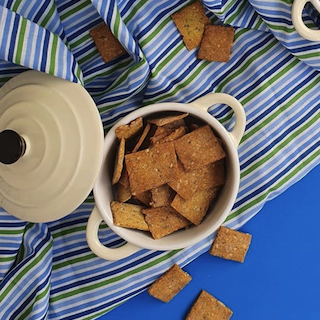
(302,29)
(104,191)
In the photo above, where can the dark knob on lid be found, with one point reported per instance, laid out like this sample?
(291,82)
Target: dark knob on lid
(12,147)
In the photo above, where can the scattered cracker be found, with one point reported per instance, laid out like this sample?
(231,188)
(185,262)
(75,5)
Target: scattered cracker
(166,120)
(160,135)
(190,21)
(195,208)
(151,168)
(128,131)
(119,162)
(144,197)
(208,307)
(123,193)
(163,221)
(174,124)
(107,44)
(176,134)
(142,137)
(169,284)
(190,182)
(216,43)
(162,196)
(199,148)
(124,179)
(231,244)
(128,216)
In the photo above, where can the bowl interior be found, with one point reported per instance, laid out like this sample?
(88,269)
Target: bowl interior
(104,192)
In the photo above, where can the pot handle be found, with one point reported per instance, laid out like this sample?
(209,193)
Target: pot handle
(98,248)
(212,98)
(296,15)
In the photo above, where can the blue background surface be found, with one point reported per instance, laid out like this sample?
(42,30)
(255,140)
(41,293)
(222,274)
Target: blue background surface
(280,278)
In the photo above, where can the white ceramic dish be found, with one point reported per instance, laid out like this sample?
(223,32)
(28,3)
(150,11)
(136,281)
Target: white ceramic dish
(104,192)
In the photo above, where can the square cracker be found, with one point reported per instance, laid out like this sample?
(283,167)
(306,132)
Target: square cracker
(162,196)
(195,208)
(216,43)
(190,182)
(128,216)
(190,22)
(169,284)
(130,130)
(118,167)
(152,167)
(208,307)
(107,44)
(163,221)
(231,244)
(199,148)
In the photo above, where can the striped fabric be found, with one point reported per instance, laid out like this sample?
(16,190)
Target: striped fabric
(47,270)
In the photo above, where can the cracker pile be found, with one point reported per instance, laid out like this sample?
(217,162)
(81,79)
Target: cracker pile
(168,171)
(196,30)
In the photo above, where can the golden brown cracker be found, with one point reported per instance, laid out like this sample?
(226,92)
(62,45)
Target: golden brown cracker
(151,168)
(107,44)
(144,197)
(208,307)
(190,21)
(163,221)
(119,162)
(194,126)
(142,137)
(190,182)
(176,134)
(231,244)
(130,130)
(124,179)
(128,216)
(166,120)
(169,284)
(199,148)
(216,43)
(162,196)
(195,208)
(123,193)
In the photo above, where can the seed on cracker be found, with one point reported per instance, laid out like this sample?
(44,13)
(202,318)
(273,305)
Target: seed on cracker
(128,216)
(150,168)
(128,131)
(231,244)
(169,284)
(162,196)
(119,162)
(199,148)
(163,221)
(107,44)
(208,307)
(216,43)
(195,208)
(144,197)
(190,182)
(142,137)
(166,120)
(190,21)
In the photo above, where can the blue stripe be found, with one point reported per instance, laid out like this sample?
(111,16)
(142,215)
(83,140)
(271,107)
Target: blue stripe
(45,51)
(13,37)
(41,10)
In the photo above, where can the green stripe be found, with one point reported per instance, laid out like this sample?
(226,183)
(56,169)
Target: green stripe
(237,13)
(309,55)
(10,231)
(16,5)
(267,120)
(134,10)
(46,19)
(69,263)
(88,56)
(281,145)
(7,259)
(22,32)
(24,270)
(80,41)
(76,9)
(131,272)
(117,24)
(39,296)
(53,54)
(277,186)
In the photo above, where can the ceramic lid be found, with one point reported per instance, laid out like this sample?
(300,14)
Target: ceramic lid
(51,142)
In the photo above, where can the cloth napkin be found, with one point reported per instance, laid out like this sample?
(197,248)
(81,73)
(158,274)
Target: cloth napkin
(47,270)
